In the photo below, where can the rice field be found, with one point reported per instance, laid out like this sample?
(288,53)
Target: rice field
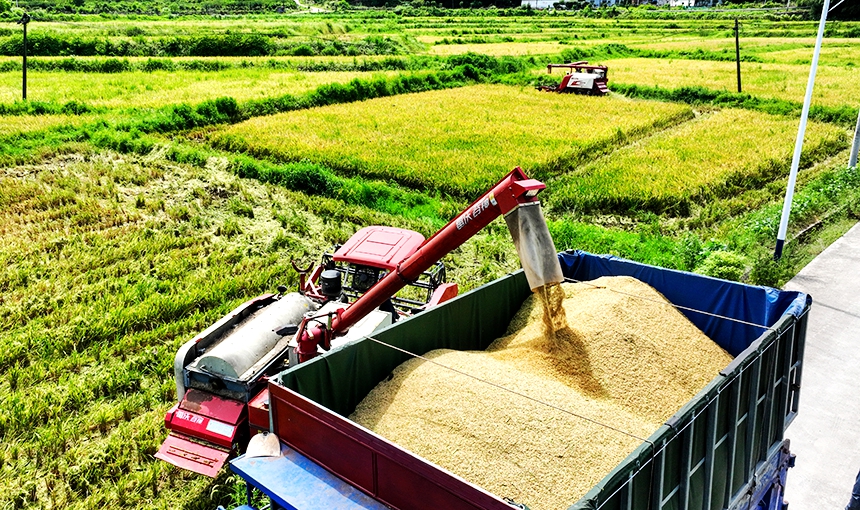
(460,140)
(11,125)
(834,85)
(499,49)
(159,88)
(717,154)
(121,240)
(780,50)
(833,53)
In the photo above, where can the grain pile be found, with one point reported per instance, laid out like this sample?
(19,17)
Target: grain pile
(609,356)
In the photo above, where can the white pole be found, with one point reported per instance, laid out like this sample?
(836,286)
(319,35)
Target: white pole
(852,161)
(801,132)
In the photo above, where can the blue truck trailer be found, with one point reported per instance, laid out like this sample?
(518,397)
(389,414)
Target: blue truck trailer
(725,449)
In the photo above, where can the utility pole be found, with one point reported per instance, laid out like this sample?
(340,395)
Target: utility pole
(25,18)
(801,132)
(738,52)
(852,161)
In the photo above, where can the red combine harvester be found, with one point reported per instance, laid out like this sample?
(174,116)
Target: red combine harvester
(221,374)
(580,79)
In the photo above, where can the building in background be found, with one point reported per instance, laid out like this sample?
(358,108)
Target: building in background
(549,4)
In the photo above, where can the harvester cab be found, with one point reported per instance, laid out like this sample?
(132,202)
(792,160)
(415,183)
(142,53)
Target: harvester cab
(581,78)
(221,374)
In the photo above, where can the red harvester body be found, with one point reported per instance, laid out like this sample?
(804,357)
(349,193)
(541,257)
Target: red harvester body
(580,79)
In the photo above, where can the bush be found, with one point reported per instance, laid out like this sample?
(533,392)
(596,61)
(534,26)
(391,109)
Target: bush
(767,271)
(723,264)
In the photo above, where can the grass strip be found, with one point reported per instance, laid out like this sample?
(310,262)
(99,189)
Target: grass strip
(124,65)
(46,44)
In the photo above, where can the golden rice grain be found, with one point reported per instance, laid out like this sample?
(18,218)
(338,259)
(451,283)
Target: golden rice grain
(617,359)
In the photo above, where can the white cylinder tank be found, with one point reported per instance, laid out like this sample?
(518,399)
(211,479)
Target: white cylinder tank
(251,340)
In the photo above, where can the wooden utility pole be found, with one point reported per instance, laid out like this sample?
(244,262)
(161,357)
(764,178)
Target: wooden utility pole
(738,52)
(25,18)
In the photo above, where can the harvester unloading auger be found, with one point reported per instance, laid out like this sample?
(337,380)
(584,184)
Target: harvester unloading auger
(221,374)
(580,79)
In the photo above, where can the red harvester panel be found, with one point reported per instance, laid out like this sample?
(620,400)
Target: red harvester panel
(207,417)
(258,411)
(377,246)
(187,454)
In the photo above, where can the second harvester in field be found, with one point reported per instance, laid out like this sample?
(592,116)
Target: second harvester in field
(580,79)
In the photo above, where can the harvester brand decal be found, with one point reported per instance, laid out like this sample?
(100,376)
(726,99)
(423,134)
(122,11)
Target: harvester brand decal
(193,418)
(476,211)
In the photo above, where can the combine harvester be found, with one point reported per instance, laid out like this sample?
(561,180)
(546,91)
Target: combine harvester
(221,375)
(725,449)
(580,79)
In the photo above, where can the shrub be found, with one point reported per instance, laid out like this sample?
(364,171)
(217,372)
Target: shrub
(723,264)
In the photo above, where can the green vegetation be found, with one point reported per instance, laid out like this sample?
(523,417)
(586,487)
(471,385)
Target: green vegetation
(143,197)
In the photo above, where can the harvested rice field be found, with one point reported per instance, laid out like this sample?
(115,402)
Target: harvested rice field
(616,353)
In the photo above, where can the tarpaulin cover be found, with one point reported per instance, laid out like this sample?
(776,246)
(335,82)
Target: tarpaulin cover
(756,305)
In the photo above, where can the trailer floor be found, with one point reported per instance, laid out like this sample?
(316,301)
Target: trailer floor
(826,433)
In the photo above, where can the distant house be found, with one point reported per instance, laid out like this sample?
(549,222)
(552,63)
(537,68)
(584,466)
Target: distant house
(687,3)
(546,4)
(539,4)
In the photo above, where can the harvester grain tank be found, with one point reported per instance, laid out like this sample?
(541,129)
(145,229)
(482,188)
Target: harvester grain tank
(724,449)
(221,374)
(581,78)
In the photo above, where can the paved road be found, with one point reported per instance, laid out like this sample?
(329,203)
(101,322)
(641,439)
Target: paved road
(826,433)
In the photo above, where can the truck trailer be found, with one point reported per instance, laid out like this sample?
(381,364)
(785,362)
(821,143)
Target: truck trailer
(724,449)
